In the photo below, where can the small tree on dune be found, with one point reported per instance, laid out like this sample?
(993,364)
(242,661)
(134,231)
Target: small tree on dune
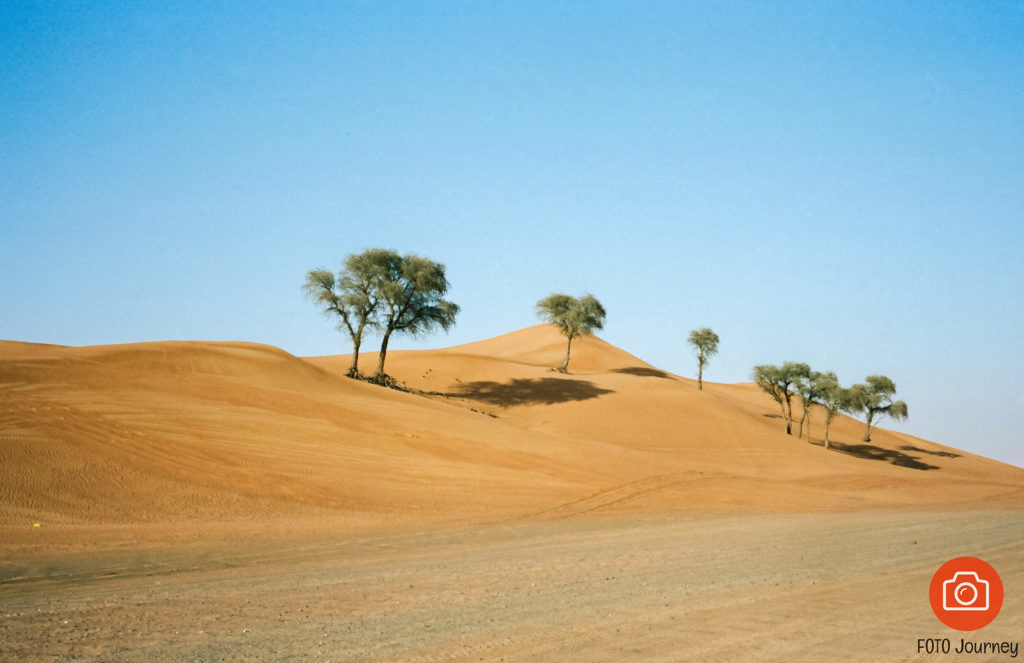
(811,389)
(410,292)
(705,342)
(353,295)
(573,316)
(875,399)
(777,382)
(383,290)
(834,399)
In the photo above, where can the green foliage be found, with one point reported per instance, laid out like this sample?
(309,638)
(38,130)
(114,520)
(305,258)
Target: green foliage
(778,382)
(834,398)
(705,341)
(354,296)
(811,388)
(574,316)
(319,287)
(875,399)
(410,291)
(383,290)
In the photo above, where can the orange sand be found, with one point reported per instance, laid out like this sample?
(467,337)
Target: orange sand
(228,501)
(175,438)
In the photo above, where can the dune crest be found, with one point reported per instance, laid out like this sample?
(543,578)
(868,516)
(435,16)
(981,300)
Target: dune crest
(543,345)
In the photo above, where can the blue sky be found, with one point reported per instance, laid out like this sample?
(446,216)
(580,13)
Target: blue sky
(836,183)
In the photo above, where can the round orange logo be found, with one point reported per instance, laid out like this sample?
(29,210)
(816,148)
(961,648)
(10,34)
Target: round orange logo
(966,593)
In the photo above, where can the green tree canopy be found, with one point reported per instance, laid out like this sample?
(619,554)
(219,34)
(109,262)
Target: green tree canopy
(573,316)
(354,295)
(875,399)
(811,389)
(705,342)
(380,289)
(778,381)
(834,398)
(410,293)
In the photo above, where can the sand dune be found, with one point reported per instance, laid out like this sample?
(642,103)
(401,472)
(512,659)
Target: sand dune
(682,448)
(225,432)
(229,501)
(210,435)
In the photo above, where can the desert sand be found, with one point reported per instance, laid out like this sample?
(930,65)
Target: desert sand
(229,501)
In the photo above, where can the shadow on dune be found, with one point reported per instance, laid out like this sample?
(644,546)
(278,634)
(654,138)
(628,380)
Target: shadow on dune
(871,452)
(525,391)
(944,454)
(644,372)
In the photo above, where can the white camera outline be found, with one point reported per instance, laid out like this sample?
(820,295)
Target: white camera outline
(977,580)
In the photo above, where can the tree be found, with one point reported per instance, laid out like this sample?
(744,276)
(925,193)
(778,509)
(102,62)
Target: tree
(410,291)
(574,316)
(353,295)
(874,399)
(834,398)
(705,342)
(777,382)
(811,389)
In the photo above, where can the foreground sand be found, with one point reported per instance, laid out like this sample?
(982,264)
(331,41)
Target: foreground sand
(804,587)
(228,501)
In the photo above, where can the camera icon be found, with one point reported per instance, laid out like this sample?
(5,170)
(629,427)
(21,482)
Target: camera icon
(965,591)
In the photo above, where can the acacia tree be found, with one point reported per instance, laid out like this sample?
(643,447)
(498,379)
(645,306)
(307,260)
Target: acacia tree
(777,382)
(705,342)
(410,291)
(574,316)
(834,399)
(874,399)
(353,295)
(811,389)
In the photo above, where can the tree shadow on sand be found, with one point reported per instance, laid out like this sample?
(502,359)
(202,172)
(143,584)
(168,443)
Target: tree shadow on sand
(944,454)
(871,452)
(526,391)
(644,372)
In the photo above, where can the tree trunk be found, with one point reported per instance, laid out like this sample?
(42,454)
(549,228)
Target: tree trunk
(353,370)
(565,362)
(800,430)
(867,430)
(700,374)
(787,412)
(782,406)
(383,352)
(828,420)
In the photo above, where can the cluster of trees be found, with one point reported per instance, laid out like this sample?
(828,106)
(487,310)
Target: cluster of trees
(580,316)
(873,399)
(381,290)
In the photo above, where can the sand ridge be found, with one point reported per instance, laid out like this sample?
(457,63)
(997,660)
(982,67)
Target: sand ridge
(218,435)
(229,501)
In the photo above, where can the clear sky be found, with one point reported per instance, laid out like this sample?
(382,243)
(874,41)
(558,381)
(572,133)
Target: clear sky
(836,183)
